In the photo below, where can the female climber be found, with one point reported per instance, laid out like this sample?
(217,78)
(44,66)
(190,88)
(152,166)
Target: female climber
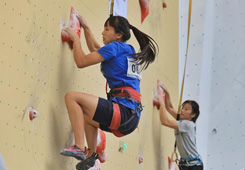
(120,65)
(185,130)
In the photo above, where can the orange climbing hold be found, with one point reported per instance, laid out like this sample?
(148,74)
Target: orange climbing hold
(144,5)
(74,24)
(171,165)
(101,144)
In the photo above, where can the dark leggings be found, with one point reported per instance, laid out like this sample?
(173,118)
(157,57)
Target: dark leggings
(195,167)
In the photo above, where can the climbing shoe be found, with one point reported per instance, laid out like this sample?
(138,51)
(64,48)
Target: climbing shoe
(87,163)
(75,152)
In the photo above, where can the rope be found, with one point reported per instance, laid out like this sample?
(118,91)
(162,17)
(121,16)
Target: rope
(112,7)
(187,48)
(183,80)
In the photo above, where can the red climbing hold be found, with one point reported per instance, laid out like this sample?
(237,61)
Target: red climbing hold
(141,159)
(33,113)
(164,5)
(144,5)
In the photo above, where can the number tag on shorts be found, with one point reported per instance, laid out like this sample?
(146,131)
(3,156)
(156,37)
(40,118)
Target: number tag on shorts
(133,69)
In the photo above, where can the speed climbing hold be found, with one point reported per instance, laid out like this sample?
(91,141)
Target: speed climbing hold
(74,24)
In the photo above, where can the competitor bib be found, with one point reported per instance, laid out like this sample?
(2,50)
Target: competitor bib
(133,69)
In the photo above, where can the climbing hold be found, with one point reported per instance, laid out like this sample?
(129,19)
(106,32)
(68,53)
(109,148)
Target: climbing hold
(140,158)
(97,165)
(144,5)
(74,24)
(214,131)
(32,113)
(164,5)
(125,146)
(101,144)
(171,165)
(160,92)
(122,146)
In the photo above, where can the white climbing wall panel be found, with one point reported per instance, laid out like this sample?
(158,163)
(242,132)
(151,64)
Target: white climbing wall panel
(216,79)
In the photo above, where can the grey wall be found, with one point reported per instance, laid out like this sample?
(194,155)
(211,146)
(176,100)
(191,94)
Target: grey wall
(215,78)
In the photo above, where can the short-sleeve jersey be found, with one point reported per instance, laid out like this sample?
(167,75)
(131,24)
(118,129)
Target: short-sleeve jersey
(186,139)
(120,69)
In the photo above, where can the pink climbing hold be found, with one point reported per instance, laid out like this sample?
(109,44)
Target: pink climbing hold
(160,92)
(74,24)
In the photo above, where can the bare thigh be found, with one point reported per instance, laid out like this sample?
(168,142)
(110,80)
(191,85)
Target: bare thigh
(87,102)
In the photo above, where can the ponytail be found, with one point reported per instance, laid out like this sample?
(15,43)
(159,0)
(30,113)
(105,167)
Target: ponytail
(148,48)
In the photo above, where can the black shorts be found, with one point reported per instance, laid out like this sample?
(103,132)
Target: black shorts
(115,118)
(195,167)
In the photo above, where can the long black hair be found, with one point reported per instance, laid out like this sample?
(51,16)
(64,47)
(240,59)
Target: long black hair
(148,47)
(195,108)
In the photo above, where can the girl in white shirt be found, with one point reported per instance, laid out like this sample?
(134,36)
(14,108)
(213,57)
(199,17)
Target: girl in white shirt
(185,130)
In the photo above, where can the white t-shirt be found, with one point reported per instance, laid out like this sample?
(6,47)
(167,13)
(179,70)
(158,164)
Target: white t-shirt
(186,139)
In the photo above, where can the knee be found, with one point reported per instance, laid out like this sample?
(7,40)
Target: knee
(70,96)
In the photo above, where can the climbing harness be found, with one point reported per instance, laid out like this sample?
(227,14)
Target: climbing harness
(127,93)
(190,161)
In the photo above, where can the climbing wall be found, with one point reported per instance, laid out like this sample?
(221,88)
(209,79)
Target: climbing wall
(37,70)
(215,78)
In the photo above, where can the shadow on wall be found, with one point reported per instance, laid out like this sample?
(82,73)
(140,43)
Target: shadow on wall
(60,131)
(66,70)
(156,133)
(61,140)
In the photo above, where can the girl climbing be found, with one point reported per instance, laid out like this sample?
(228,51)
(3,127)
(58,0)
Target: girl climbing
(120,65)
(185,130)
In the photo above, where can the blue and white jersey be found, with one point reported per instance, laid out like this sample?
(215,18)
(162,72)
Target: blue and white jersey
(120,69)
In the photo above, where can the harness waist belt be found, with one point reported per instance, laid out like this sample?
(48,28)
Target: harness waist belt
(191,161)
(126,92)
